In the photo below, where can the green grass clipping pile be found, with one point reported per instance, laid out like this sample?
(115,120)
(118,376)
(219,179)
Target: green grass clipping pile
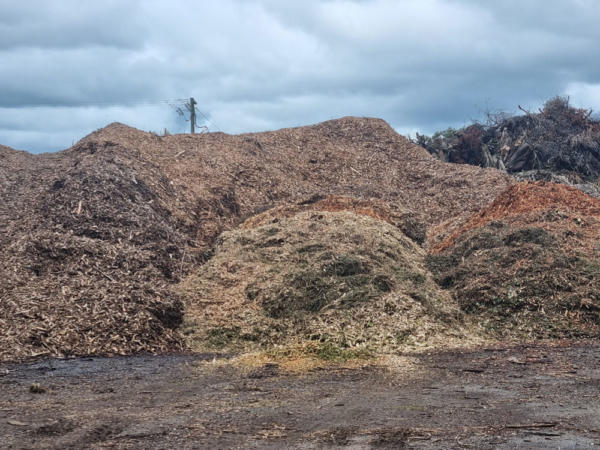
(338,280)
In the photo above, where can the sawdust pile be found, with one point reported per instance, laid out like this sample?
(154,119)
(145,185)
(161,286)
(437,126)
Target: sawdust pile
(340,278)
(529,264)
(528,198)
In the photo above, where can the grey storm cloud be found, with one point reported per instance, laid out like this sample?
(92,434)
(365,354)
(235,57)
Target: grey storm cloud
(68,67)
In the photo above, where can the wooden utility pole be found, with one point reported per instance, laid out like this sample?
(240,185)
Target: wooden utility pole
(192,114)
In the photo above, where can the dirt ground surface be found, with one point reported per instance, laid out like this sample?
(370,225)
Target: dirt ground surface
(539,396)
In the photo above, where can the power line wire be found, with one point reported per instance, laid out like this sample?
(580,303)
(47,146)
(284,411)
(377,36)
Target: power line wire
(208,120)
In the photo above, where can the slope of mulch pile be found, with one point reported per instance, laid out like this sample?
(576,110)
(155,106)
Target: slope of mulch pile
(89,249)
(378,209)
(343,279)
(93,238)
(529,264)
(225,178)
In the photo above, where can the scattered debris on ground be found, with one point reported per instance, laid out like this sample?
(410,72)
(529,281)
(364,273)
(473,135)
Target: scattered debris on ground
(341,280)
(529,264)
(461,398)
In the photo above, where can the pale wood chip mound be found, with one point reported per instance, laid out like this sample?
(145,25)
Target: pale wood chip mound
(337,278)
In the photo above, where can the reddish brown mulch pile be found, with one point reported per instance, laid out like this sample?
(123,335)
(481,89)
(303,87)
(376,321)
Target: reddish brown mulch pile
(529,264)
(93,238)
(528,198)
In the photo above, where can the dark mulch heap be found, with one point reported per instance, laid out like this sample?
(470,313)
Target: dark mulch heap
(89,249)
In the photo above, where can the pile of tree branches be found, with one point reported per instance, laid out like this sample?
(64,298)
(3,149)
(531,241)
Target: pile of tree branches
(558,138)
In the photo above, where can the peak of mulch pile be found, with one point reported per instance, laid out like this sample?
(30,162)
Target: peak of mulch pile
(529,264)
(93,238)
(225,179)
(378,209)
(338,278)
(523,199)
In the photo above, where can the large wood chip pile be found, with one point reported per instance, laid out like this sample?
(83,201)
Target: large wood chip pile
(93,238)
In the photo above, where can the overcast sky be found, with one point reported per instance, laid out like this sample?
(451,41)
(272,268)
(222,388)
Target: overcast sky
(68,67)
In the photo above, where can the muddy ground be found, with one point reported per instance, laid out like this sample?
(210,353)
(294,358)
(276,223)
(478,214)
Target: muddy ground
(543,396)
